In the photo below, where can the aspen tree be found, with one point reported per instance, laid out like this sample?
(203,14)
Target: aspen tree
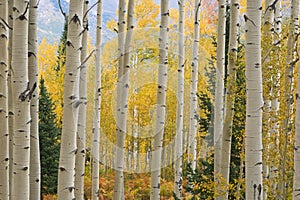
(180,102)
(194,87)
(254,102)
(21,99)
(161,102)
(10,97)
(119,157)
(122,113)
(66,172)
(35,165)
(230,93)
(81,124)
(4,137)
(97,104)
(219,93)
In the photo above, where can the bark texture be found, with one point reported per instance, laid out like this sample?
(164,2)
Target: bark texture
(81,124)
(194,87)
(35,165)
(161,102)
(180,103)
(122,111)
(230,94)
(66,172)
(4,136)
(21,100)
(97,105)
(254,103)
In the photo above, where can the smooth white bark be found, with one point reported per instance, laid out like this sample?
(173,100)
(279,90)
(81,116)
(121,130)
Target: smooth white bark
(21,98)
(230,94)
(35,166)
(219,94)
(4,136)
(81,124)
(119,155)
(66,172)
(180,103)
(254,103)
(97,105)
(161,102)
(122,111)
(194,88)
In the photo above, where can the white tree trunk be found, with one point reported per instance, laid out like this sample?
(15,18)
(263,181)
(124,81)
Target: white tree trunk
(81,124)
(35,166)
(219,94)
(254,104)
(4,137)
(119,156)
(66,172)
(97,105)
(230,94)
(21,98)
(161,102)
(122,111)
(10,97)
(193,128)
(180,102)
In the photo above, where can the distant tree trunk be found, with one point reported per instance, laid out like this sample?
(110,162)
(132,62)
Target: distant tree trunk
(219,94)
(180,102)
(161,102)
(97,105)
(10,97)
(122,111)
(230,94)
(254,104)
(4,137)
(35,165)
(194,88)
(21,98)
(66,173)
(119,157)
(81,124)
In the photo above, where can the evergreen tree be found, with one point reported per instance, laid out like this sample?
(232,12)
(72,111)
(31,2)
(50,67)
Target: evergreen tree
(49,142)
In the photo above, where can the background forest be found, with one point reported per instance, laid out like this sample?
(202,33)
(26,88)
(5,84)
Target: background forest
(148,99)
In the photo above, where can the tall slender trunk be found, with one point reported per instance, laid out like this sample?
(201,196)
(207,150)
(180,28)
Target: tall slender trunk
(66,172)
(161,102)
(254,104)
(10,97)
(4,137)
(180,102)
(119,156)
(122,111)
(97,105)
(194,87)
(81,123)
(289,87)
(230,94)
(219,94)
(35,165)
(21,98)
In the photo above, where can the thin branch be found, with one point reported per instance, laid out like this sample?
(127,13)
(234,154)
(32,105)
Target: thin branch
(5,23)
(61,10)
(85,14)
(86,59)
